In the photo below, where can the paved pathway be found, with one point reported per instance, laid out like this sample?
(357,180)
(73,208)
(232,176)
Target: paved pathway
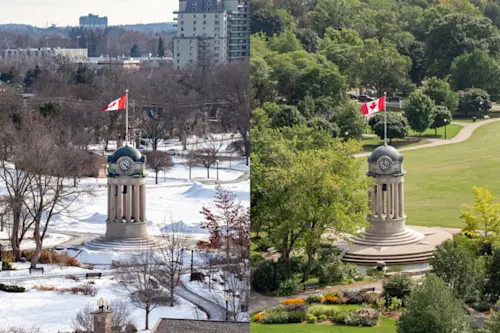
(214,311)
(464,134)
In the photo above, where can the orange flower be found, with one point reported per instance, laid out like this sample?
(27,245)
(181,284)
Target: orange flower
(293,301)
(257,317)
(344,300)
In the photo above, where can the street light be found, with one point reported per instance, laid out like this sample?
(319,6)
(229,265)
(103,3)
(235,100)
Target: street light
(192,256)
(445,123)
(217,162)
(226,298)
(275,260)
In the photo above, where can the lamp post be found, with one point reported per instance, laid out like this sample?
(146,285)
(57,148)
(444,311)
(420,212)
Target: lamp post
(0,257)
(445,123)
(192,256)
(226,298)
(275,260)
(217,163)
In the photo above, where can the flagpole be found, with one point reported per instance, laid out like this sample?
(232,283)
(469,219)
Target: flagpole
(126,117)
(385,119)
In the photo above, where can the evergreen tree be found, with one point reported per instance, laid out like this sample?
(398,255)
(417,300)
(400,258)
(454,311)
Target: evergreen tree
(161,48)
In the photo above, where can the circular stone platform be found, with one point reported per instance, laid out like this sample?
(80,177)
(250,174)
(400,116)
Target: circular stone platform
(123,244)
(412,246)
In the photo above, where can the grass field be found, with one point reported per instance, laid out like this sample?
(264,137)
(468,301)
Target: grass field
(438,183)
(451,131)
(387,326)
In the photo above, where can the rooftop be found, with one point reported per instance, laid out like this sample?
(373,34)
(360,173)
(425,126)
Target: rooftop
(206,326)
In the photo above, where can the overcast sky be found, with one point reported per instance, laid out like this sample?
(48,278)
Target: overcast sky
(67,12)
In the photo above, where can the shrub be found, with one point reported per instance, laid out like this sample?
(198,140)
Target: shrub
(197,276)
(396,304)
(340,317)
(8,256)
(295,307)
(6,265)
(256,258)
(322,318)
(298,263)
(130,328)
(312,318)
(481,306)
(380,303)
(295,317)
(89,289)
(369,298)
(336,293)
(287,288)
(11,289)
(275,316)
(330,272)
(263,276)
(50,257)
(362,317)
(45,287)
(397,286)
(353,297)
(324,310)
(330,299)
(312,299)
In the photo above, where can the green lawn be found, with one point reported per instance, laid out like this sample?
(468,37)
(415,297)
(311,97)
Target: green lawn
(372,143)
(438,183)
(451,131)
(388,326)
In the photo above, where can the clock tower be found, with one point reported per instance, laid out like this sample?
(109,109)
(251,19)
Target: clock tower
(126,223)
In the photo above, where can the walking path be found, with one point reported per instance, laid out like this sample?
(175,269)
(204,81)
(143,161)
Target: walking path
(213,311)
(464,134)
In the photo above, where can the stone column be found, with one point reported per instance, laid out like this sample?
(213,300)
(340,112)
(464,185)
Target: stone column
(113,203)
(380,201)
(402,198)
(389,203)
(373,201)
(143,204)
(119,201)
(109,201)
(128,206)
(136,203)
(102,321)
(396,200)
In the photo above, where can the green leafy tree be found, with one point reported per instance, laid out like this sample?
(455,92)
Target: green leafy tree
(383,68)
(285,42)
(473,100)
(441,117)
(266,21)
(492,286)
(456,34)
(320,123)
(161,48)
(309,39)
(432,307)
(483,215)
(351,122)
(476,70)
(333,13)
(397,125)
(492,11)
(296,172)
(492,323)
(419,110)
(456,266)
(441,93)
(283,115)
(135,51)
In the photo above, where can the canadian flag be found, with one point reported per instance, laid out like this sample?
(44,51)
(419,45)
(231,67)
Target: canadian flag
(116,105)
(373,107)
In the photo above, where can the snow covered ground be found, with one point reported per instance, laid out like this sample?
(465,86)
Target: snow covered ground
(52,311)
(51,239)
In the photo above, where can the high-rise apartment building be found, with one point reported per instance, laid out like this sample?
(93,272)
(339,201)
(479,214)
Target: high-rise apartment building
(93,22)
(211,31)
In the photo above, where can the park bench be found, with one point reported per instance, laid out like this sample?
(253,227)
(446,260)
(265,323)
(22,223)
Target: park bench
(365,290)
(89,275)
(311,285)
(39,269)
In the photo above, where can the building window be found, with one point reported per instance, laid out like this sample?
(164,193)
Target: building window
(194,9)
(204,15)
(178,54)
(217,22)
(182,29)
(182,35)
(204,28)
(194,3)
(204,22)
(194,29)
(190,48)
(216,16)
(216,54)
(194,22)
(182,22)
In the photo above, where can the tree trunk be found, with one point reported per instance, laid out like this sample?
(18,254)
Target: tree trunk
(310,263)
(172,287)
(208,173)
(436,131)
(147,317)
(156,178)
(38,248)
(390,141)
(1,222)
(190,167)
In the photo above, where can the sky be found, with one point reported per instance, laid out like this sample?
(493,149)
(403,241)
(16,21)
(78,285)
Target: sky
(67,12)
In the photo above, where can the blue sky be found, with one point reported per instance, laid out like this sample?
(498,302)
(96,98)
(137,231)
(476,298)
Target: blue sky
(68,12)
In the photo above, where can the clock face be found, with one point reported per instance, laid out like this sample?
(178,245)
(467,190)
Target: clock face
(125,165)
(384,164)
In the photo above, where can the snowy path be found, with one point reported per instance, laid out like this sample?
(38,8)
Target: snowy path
(214,311)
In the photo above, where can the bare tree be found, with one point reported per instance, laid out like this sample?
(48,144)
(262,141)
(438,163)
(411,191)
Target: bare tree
(208,154)
(137,278)
(186,120)
(155,127)
(233,81)
(122,317)
(158,161)
(170,258)
(190,160)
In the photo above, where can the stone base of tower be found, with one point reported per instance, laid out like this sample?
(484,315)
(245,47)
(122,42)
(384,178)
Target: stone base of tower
(123,244)
(411,246)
